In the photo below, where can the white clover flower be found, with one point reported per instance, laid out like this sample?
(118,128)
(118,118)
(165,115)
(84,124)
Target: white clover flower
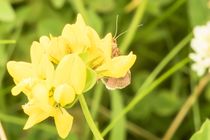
(201,46)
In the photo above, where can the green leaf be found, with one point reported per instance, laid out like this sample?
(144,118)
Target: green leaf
(58,3)
(95,21)
(119,131)
(50,25)
(98,5)
(91,79)
(6,11)
(207,92)
(198,12)
(203,133)
(166,103)
(156,7)
(143,109)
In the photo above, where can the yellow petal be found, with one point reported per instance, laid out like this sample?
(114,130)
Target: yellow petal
(44,42)
(58,49)
(76,35)
(80,21)
(36,115)
(19,70)
(40,93)
(41,64)
(63,122)
(64,94)
(106,45)
(23,86)
(37,51)
(71,70)
(93,37)
(117,67)
(94,57)
(45,69)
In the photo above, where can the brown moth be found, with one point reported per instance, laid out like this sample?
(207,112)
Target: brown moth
(117,83)
(122,82)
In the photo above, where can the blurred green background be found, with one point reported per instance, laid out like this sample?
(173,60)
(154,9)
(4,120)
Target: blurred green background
(163,25)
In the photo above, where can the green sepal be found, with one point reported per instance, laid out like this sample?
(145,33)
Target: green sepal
(91,79)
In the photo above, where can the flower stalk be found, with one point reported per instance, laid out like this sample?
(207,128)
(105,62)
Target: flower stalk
(89,119)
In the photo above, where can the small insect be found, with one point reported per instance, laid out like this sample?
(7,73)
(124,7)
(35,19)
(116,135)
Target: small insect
(117,83)
(122,82)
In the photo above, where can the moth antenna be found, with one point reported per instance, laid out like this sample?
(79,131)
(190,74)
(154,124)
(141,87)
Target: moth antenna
(116,26)
(126,31)
(121,34)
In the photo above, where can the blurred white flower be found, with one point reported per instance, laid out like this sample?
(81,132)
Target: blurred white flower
(201,46)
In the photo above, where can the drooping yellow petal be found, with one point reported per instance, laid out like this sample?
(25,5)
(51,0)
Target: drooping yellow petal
(76,35)
(36,114)
(38,104)
(64,94)
(63,122)
(117,67)
(19,70)
(25,86)
(71,70)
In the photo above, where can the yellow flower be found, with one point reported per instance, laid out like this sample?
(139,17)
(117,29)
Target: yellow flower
(55,47)
(84,40)
(80,36)
(50,97)
(97,52)
(49,90)
(42,106)
(115,67)
(25,74)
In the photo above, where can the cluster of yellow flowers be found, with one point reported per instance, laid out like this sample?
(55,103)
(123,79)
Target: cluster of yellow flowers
(61,69)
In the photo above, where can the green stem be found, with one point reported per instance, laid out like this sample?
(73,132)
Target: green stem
(186,107)
(79,6)
(7,41)
(141,94)
(196,116)
(166,60)
(195,108)
(137,130)
(133,26)
(117,105)
(131,127)
(96,100)
(94,106)
(89,119)
(164,16)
